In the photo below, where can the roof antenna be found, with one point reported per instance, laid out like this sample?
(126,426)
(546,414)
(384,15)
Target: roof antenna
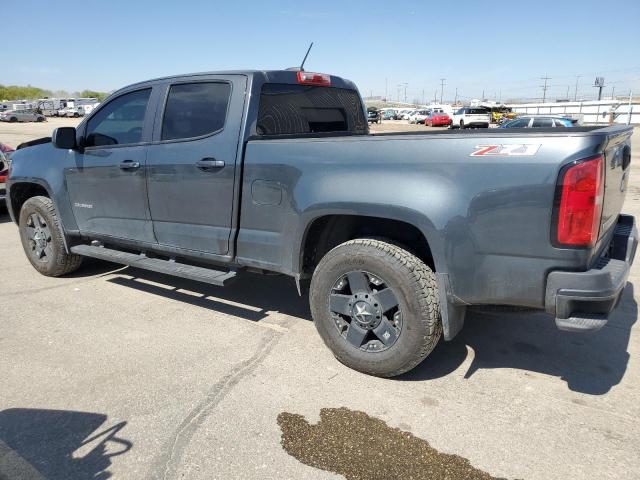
(305,57)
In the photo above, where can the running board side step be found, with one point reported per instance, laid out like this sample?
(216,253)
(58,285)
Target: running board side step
(168,267)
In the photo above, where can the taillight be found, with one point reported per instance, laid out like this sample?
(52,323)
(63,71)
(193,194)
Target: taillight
(310,78)
(581,190)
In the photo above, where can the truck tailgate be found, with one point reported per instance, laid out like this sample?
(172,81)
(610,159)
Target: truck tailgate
(617,156)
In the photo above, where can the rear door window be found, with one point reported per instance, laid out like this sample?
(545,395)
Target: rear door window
(195,109)
(298,109)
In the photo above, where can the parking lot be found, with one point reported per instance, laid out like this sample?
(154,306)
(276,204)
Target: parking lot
(123,373)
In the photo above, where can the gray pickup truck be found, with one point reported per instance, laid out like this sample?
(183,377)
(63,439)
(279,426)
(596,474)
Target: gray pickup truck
(394,235)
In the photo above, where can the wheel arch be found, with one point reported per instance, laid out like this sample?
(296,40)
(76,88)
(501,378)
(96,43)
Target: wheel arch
(22,189)
(324,232)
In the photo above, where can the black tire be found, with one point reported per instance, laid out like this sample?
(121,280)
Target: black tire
(76,115)
(13,120)
(461,124)
(416,291)
(57,261)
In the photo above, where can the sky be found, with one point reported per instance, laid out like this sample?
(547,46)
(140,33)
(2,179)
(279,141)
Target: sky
(500,47)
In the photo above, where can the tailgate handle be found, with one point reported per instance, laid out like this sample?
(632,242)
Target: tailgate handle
(209,163)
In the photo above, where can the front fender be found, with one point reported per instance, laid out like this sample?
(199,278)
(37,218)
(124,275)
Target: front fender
(43,165)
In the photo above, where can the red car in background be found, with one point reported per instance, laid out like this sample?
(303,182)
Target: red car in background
(5,150)
(437,118)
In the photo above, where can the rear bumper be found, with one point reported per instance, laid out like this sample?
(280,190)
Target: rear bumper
(582,301)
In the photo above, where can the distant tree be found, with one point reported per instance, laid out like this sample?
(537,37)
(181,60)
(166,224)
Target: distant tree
(15,92)
(93,94)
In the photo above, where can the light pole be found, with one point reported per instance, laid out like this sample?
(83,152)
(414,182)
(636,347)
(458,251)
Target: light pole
(441,88)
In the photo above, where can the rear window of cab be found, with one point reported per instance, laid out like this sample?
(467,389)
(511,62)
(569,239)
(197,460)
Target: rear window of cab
(287,109)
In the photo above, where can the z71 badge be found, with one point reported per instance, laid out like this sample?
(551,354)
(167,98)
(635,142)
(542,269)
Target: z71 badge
(510,150)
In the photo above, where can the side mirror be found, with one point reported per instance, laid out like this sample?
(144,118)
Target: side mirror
(64,137)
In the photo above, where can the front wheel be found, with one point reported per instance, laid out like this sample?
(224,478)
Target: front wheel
(376,307)
(461,124)
(42,241)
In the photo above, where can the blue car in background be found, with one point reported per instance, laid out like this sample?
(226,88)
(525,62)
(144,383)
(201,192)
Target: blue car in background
(540,121)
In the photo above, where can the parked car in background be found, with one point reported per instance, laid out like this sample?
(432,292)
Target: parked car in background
(71,112)
(418,116)
(406,113)
(437,118)
(21,116)
(548,121)
(373,115)
(466,117)
(499,112)
(389,114)
(4,148)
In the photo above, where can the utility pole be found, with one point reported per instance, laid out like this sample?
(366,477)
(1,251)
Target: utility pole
(441,88)
(386,89)
(599,84)
(423,96)
(482,99)
(455,102)
(613,93)
(575,92)
(544,88)
(399,87)
(405,92)
(500,97)
(567,95)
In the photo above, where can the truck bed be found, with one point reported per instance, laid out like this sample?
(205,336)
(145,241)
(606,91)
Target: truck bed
(488,219)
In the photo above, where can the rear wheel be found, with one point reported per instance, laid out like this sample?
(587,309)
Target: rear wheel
(42,241)
(376,307)
(461,124)
(13,120)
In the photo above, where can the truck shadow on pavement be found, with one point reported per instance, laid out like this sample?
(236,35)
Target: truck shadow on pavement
(251,297)
(57,445)
(590,363)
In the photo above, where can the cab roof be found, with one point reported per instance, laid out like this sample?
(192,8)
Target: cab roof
(258,76)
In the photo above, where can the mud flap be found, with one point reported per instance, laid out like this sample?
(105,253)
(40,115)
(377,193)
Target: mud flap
(452,314)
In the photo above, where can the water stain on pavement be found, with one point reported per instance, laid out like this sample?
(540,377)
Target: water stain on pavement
(361,447)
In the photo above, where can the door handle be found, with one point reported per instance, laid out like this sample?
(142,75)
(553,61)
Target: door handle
(209,164)
(129,165)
